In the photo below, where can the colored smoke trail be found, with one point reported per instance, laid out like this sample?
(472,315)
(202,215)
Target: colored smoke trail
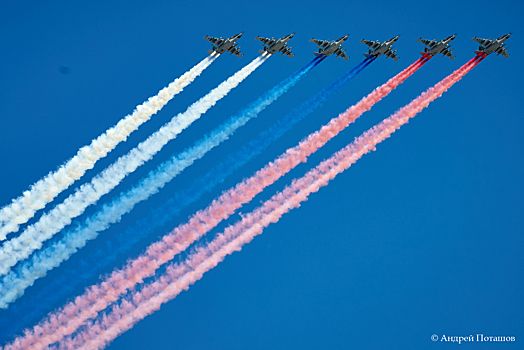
(62,286)
(179,277)
(66,320)
(15,282)
(31,239)
(45,190)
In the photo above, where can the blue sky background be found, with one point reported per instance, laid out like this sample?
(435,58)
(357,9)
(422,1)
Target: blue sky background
(422,237)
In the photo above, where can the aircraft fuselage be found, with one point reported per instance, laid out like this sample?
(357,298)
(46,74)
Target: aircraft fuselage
(273,48)
(333,46)
(494,46)
(382,49)
(441,45)
(225,46)
(278,45)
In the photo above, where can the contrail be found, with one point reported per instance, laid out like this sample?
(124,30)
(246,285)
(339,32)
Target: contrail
(45,190)
(63,285)
(31,239)
(16,281)
(66,320)
(179,277)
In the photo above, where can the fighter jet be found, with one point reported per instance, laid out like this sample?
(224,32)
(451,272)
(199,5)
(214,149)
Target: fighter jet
(327,48)
(434,47)
(488,46)
(273,45)
(222,45)
(377,48)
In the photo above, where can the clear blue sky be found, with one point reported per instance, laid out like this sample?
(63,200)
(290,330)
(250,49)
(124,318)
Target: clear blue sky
(422,237)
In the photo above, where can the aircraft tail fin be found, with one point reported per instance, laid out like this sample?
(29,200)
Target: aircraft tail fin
(367,54)
(261,51)
(210,51)
(478,52)
(316,54)
(422,53)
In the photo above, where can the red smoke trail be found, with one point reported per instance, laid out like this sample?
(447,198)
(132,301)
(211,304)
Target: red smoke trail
(67,320)
(180,277)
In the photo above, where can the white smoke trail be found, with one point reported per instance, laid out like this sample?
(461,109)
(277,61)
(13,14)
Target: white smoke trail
(15,282)
(45,190)
(31,239)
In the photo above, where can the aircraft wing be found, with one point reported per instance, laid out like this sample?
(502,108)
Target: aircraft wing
(213,40)
(265,40)
(286,51)
(483,42)
(343,55)
(424,41)
(322,43)
(391,54)
(503,53)
(448,53)
(369,43)
(235,51)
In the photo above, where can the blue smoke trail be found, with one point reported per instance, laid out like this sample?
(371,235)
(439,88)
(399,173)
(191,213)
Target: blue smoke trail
(53,256)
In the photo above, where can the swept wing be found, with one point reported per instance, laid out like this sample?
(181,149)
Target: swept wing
(503,52)
(322,43)
(391,54)
(215,41)
(287,51)
(424,41)
(482,42)
(448,53)
(371,44)
(342,54)
(235,51)
(265,41)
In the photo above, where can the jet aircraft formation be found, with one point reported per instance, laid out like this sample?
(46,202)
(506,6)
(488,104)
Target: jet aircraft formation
(376,48)
(24,258)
